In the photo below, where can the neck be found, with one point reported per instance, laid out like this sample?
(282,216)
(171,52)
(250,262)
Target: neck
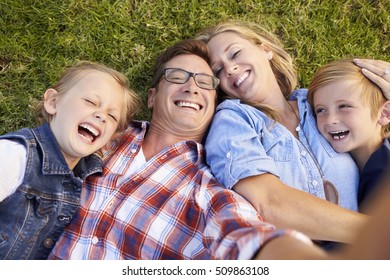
(72,162)
(157,140)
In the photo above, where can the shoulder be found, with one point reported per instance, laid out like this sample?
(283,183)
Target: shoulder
(11,171)
(236,109)
(299,94)
(384,151)
(11,147)
(22,134)
(386,144)
(135,128)
(229,104)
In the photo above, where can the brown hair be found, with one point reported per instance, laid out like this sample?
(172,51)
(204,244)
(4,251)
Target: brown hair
(74,73)
(188,46)
(347,70)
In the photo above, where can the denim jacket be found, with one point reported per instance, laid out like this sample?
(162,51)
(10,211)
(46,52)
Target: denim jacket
(35,215)
(244,142)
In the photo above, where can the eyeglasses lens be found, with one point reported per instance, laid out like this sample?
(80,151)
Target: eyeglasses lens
(180,76)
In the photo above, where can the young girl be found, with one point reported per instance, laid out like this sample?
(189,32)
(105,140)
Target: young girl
(353,115)
(43,168)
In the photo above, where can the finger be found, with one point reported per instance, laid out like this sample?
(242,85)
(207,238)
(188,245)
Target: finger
(379,81)
(373,62)
(375,66)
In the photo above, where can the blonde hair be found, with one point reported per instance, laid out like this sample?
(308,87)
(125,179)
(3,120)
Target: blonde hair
(281,62)
(74,73)
(347,70)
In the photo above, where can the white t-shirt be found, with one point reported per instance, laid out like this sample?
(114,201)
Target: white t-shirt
(12,166)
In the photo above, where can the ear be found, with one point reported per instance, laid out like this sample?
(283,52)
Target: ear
(384,117)
(268,51)
(151,96)
(270,55)
(50,101)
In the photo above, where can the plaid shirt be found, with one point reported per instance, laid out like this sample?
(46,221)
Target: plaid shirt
(172,208)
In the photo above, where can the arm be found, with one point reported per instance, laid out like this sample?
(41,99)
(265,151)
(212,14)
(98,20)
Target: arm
(289,248)
(286,207)
(371,240)
(11,171)
(375,71)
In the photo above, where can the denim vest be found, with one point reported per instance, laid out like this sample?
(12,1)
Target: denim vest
(34,216)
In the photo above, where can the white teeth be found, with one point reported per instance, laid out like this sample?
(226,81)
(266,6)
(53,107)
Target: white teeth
(337,135)
(188,104)
(337,132)
(241,79)
(91,129)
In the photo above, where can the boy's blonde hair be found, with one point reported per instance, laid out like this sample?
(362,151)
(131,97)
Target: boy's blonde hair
(74,73)
(347,70)
(281,62)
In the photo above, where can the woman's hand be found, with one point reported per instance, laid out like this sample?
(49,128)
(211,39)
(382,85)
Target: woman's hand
(378,71)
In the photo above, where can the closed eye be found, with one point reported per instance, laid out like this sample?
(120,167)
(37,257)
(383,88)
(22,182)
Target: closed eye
(90,102)
(217,71)
(344,106)
(113,117)
(235,54)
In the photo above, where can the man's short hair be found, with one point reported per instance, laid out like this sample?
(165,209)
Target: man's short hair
(188,46)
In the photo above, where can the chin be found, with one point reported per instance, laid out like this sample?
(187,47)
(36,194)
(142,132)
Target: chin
(340,149)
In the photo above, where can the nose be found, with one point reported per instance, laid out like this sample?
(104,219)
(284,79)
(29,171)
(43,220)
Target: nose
(231,69)
(100,115)
(332,118)
(191,86)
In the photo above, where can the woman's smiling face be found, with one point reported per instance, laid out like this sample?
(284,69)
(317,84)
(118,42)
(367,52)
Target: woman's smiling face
(242,66)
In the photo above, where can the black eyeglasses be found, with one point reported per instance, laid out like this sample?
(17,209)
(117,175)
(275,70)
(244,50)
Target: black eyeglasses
(180,76)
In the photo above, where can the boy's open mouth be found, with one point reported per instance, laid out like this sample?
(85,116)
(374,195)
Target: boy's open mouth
(337,135)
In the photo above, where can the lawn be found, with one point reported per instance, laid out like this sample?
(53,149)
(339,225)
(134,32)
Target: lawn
(39,38)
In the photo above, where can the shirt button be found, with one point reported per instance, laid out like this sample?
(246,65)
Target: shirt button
(48,243)
(228,154)
(303,153)
(314,182)
(95,240)
(133,151)
(110,204)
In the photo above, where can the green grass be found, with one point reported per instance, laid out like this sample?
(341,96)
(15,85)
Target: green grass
(39,38)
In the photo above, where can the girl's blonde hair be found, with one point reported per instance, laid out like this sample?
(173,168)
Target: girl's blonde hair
(74,73)
(346,70)
(281,62)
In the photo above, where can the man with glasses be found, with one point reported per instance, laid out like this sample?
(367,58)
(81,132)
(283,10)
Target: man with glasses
(156,198)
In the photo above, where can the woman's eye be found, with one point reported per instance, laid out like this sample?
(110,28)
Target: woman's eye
(235,54)
(217,70)
(319,111)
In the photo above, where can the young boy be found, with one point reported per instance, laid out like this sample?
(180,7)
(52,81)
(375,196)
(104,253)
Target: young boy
(353,115)
(42,169)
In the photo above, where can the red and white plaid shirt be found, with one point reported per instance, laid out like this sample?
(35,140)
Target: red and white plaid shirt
(172,208)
